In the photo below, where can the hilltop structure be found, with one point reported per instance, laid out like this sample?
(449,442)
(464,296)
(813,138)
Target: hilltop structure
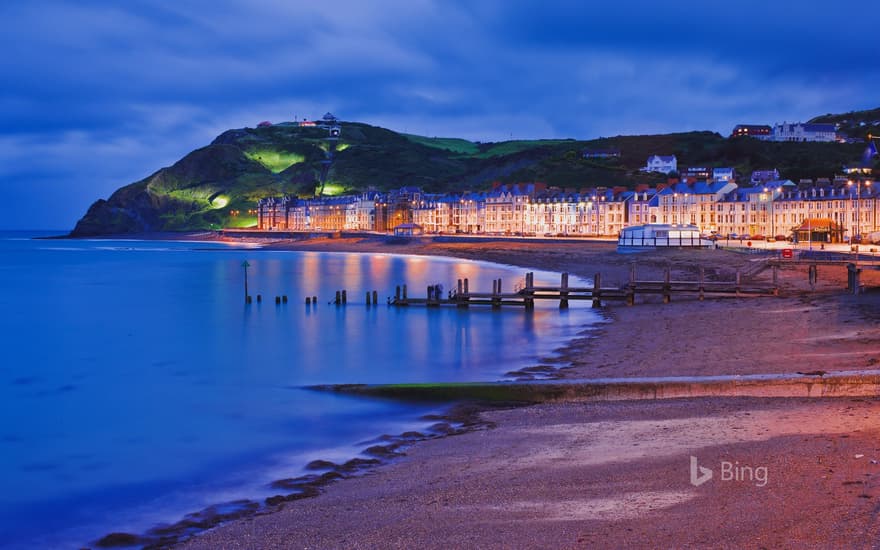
(789,131)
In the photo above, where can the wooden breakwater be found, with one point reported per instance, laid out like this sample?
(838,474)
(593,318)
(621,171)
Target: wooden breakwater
(525,294)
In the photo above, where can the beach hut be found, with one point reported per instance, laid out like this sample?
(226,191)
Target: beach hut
(820,230)
(661,235)
(408,230)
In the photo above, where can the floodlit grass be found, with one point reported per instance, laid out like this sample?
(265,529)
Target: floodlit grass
(456,145)
(276,161)
(332,189)
(239,222)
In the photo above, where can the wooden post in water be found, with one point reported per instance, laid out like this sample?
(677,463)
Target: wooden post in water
(308,301)
(315,300)
(775,280)
(344,297)
(368,297)
(597,290)
(496,295)
(246,265)
(738,281)
(702,282)
(375,298)
(338,299)
(404,293)
(397,293)
(529,293)
(813,275)
(667,285)
(563,292)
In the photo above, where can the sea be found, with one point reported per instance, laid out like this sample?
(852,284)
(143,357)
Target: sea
(138,386)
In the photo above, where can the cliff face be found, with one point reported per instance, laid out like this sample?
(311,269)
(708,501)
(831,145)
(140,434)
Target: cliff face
(197,192)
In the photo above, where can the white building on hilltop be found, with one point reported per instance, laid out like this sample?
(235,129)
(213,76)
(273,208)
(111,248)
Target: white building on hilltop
(662,164)
(799,131)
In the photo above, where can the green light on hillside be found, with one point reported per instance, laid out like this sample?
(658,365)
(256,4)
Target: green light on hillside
(342,146)
(275,161)
(219,202)
(332,189)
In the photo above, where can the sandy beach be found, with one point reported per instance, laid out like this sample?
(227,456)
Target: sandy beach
(616,474)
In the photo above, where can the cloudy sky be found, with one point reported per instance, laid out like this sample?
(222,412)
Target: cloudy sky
(97,94)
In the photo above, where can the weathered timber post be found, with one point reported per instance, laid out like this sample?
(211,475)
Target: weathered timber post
(397,293)
(246,265)
(404,293)
(368,297)
(344,297)
(667,285)
(738,282)
(463,300)
(597,292)
(338,299)
(775,280)
(529,294)
(375,298)
(853,282)
(813,276)
(563,292)
(308,301)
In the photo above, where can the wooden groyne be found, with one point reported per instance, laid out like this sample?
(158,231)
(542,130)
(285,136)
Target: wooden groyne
(525,294)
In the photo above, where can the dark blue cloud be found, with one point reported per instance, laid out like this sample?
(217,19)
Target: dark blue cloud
(98,94)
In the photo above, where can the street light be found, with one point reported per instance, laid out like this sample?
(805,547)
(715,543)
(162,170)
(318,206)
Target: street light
(769,193)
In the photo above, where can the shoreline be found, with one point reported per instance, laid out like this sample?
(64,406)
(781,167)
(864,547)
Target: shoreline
(455,419)
(585,356)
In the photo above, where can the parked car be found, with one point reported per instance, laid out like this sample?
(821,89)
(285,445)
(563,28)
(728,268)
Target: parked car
(758,237)
(733,236)
(782,238)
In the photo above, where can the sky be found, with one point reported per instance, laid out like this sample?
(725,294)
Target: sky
(98,94)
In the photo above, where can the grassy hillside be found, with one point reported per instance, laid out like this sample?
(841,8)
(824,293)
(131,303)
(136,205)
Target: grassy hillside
(855,124)
(217,186)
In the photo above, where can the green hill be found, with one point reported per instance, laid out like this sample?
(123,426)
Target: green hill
(219,185)
(855,124)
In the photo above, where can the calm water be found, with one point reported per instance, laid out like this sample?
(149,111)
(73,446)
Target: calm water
(137,387)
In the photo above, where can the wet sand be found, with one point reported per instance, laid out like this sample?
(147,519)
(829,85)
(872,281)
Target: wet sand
(606,475)
(617,474)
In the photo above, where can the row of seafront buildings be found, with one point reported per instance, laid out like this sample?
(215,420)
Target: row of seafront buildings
(830,210)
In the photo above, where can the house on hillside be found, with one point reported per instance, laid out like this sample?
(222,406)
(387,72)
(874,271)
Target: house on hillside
(661,163)
(760,177)
(601,153)
(758,131)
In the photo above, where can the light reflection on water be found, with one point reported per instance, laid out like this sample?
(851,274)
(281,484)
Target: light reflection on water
(137,383)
